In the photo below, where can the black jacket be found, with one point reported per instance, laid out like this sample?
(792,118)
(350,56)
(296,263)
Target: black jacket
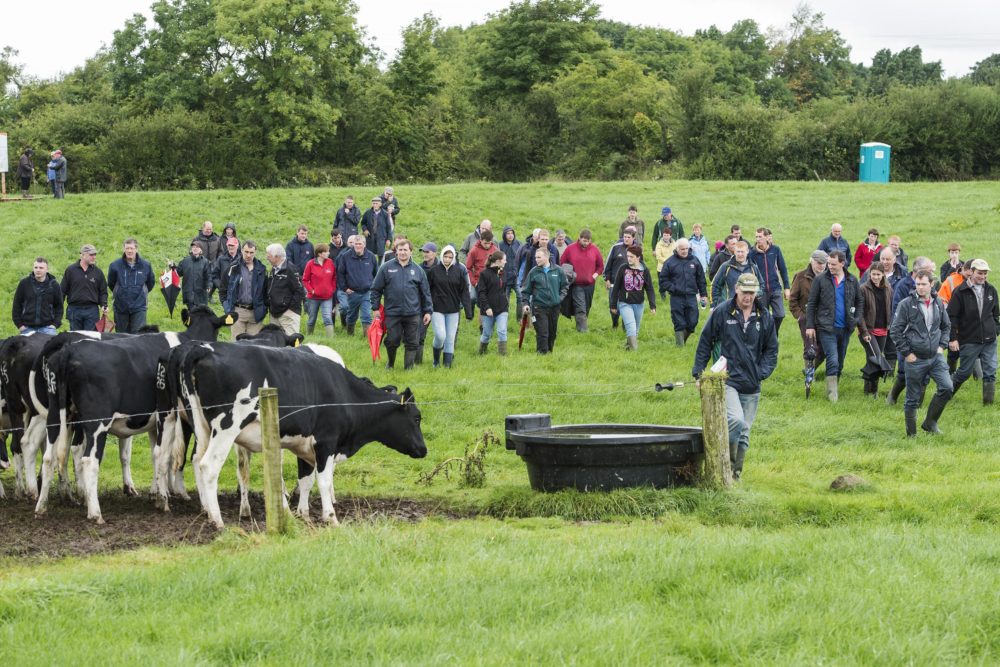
(197,275)
(346,222)
(299,253)
(450,288)
(406,290)
(84,288)
(751,351)
(491,292)
(683,276)
(220,272)
(967,324)
(37,304)
(909,330)
(822,304)
(284,290)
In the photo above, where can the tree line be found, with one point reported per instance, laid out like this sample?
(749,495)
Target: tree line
(259,93)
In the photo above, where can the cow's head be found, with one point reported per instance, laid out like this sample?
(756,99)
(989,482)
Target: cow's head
(272,335)
(203,324)
(406,436)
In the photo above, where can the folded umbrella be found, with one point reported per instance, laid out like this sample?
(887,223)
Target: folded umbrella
(524,327)
(375,333)
(876,365)
(170,287)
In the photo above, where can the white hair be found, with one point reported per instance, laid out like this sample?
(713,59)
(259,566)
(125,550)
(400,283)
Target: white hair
(276,250)
(683,243)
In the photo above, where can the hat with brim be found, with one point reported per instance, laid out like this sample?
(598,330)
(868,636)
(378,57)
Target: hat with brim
(748,283)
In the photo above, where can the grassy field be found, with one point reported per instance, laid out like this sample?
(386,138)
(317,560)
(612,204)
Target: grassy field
(779,570)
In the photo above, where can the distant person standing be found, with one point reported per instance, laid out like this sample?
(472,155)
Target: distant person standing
(26,171)
(131,279)
(667,221)
(320,282)
(225,262)
(543,290)
(376,228)
(284,291)
(196,274)
(632,220)
(346,220)
(390,204)
(58,165)
(50,172)
(86,291)
(356,269)
(300,249)
(617,258)
(836,241)
(38,302)
(209,242)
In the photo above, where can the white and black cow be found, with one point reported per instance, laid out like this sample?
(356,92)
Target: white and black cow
(347,412)
(109,387)
(173,417)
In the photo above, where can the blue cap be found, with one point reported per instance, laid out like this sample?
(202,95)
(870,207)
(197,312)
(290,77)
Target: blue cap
(430,246)
(666,209)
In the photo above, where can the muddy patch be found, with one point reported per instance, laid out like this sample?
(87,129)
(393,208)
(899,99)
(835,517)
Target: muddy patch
(134,522)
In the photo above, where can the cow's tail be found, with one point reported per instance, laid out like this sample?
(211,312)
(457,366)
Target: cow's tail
(199,420)
(57,381)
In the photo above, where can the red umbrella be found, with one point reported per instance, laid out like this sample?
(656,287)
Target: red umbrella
(170,286)
(375,333)
(524,327)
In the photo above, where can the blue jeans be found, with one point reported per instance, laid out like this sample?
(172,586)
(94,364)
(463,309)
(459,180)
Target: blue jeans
(917,373)
(500,320)
(741,410)
(969,353)
(631,316)
(129,322)
(316,306)
(83,318)
(445,329)
(49,329)
(834,345)
(357,302)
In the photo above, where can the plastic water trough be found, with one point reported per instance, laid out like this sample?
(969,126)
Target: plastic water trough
(602,457)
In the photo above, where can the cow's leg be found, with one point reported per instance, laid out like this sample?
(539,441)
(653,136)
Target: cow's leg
(202,436)
(55,432)
(324,477)
(81,489)
(214,458)
(20,483)
(243,479)
(34,438)
(162,462)
(4,458)
(93,452)
(307,473)
(183,431)
(125,456)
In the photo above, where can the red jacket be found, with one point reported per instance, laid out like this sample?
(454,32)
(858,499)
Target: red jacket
(585,263)
(320,280)
(475,261)
(864,256)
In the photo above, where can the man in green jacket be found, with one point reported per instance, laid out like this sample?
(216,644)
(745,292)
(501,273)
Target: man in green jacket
(668,221)
(544,289)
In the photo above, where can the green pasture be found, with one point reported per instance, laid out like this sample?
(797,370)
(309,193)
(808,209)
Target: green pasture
(779,570)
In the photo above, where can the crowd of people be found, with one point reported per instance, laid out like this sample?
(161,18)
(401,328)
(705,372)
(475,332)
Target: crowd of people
(902,314)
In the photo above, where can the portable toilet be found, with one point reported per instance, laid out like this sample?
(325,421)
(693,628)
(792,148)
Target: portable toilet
(874,166)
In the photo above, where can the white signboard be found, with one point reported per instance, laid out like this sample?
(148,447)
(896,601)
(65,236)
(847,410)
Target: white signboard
(879,155)
(3,152)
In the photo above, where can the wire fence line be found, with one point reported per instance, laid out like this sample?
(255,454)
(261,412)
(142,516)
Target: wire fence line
(302,408)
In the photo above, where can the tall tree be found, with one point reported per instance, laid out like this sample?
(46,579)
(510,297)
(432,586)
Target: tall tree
(987,71)
(813,60)
(906,68)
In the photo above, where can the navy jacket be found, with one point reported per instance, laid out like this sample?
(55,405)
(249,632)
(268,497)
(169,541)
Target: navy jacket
(356,272)
(724,284)
(751,351)
(299,253)
(130,284)
(406,290)
(378,228)
(821,309)
(37,304)
(683,276)
(347,221)
(258,276)
(771,267)
(829,244)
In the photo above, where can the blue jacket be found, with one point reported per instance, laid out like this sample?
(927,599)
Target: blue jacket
(130,284)
(700,250)
(751,352)
(407,291)
(356,272)
(770,267)
(379,230)
(298,253)
(725,280)
(683,276)
(258,277)
(829,244)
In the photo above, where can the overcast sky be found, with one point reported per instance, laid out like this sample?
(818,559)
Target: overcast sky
(58,35)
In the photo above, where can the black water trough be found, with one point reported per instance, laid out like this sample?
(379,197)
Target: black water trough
(601,457)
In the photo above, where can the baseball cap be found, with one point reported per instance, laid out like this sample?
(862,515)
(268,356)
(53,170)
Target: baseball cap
(980,265)
(87,249)
(747,283)
(666,209)
(430,246)
(233,242)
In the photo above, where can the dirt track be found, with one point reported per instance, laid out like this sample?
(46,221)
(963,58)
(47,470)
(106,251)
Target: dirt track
(134,522)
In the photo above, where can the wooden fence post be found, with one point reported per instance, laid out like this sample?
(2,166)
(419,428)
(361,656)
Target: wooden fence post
(276,516)
(718,471)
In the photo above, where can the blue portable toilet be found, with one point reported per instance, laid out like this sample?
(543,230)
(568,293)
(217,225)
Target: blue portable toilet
(874,165)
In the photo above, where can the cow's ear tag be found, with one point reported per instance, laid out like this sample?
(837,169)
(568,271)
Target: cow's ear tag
(297,342)
(402,400)
(229,320)
(187,321)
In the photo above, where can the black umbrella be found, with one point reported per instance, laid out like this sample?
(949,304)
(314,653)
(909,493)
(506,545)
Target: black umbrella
(876,366)
(170,286)
(810,369)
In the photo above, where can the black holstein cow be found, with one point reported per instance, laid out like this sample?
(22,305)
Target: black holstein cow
(173,416)
(326,413)
(109,387)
